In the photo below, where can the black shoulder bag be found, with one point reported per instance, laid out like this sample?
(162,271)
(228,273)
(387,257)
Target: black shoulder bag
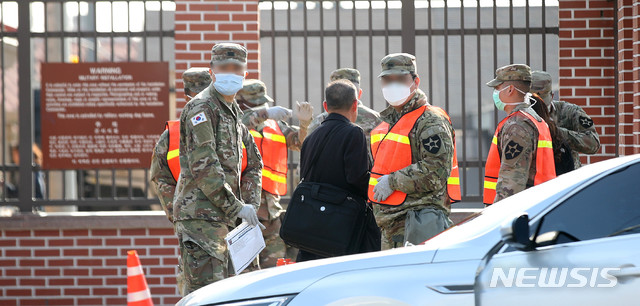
(324,219)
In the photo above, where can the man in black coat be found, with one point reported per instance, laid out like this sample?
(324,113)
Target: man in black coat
(344,160)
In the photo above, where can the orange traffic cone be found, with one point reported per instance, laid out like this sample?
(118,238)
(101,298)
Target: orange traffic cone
(138,293)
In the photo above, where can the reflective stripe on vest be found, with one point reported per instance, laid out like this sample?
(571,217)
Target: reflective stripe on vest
(273,147)
(453,182)
(391,150)
(173,154)
(545,165)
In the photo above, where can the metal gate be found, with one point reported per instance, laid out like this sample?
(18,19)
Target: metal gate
(35,32)
(458,45)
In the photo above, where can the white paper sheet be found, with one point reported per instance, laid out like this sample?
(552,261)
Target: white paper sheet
(244,243)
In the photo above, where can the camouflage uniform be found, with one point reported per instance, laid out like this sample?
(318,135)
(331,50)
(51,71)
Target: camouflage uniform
(367,118)
(194,80)
(517,140)
(210,192)
(425,212)
(574,127)
(254,92)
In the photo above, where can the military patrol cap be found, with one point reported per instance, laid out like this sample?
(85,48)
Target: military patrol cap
(350,74)
(541,84)
(254,92)
(223,53)
(196,79)
(514,72)
(398,63)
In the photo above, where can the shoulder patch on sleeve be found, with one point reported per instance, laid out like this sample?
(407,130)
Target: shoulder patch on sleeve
(586,122)
(513,150)
(432,144)
(199,118)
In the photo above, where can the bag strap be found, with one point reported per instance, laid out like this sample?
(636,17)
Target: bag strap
(317,154)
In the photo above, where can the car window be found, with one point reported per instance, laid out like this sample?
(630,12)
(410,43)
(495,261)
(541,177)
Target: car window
(607,207)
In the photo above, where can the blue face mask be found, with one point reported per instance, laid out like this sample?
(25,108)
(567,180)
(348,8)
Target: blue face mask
(228,83)
(496,99)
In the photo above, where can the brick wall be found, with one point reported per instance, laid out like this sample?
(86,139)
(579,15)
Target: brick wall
(76,260)
(201,23)
(628,19)
(587,69)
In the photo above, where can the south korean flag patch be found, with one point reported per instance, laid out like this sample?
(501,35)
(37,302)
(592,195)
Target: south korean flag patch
(199,118)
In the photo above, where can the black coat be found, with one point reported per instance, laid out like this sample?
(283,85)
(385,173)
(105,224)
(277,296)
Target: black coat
(343,161)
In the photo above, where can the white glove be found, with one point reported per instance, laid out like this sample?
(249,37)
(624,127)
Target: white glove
(304,112)
(248,214)
(382,190)
(278,113)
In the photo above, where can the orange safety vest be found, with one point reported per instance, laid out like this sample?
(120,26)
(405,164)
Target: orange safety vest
(545,165)
(395,153)
(173,154)
(273,147)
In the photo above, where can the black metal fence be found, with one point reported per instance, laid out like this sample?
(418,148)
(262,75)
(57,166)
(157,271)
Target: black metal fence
(458,45)
(35,32)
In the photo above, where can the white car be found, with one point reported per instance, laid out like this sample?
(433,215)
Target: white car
(574,240)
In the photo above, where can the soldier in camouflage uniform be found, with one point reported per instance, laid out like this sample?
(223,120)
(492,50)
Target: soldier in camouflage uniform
(367,119)
(425,212)
(195,80)
(254,93)
(211,195)
(573,126)
(517,140)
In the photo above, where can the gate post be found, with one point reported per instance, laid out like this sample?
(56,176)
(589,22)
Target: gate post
(408,26)
(25,110)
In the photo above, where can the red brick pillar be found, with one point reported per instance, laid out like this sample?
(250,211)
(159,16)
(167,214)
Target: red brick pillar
(199,24)
(628,18)
(587,71)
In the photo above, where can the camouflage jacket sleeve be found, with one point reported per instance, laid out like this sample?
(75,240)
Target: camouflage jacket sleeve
(432,154)
(316,122)
(251,180)
(295,135)
(255,116)
(165,184)
(516,146)
(582,135)
(200,150)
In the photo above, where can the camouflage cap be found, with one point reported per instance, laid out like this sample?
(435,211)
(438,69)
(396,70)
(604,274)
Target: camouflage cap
(254,92)
(514,72)
(350,74)
(541,85)
(223,53)
(196,79)
(398,63)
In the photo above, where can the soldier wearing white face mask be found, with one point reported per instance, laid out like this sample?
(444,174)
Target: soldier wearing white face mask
(413,152)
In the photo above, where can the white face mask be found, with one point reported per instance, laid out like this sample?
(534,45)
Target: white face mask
(396,93)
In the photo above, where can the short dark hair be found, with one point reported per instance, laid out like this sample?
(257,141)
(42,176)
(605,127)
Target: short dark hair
(524,86)
(340,95)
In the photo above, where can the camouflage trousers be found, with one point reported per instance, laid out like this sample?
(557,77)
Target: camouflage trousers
(275,247)
(416,227)
(203,254)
